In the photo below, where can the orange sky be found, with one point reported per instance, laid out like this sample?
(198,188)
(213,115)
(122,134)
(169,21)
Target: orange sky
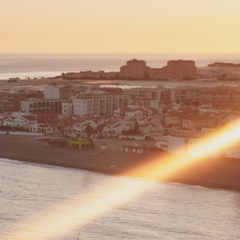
(124,26)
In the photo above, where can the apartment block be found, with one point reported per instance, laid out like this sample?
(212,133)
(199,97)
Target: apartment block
(98,104)
(134,69)
(43,105)
(57,92)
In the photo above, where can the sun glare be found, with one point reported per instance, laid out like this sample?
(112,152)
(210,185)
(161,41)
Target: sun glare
(81,210)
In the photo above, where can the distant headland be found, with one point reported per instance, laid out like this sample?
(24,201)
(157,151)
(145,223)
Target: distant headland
(224,65)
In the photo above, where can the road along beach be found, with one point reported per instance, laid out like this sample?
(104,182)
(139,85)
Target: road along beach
(213,173)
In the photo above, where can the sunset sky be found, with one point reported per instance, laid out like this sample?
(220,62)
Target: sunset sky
(120,26)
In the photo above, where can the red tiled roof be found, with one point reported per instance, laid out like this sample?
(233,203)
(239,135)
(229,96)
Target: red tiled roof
(29,117)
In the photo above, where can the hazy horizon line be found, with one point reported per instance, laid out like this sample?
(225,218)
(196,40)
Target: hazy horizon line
(119,53)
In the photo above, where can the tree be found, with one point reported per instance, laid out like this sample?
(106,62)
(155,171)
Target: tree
(89,130)
(136,128)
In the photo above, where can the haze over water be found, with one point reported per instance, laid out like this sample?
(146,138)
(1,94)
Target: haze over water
(38,66)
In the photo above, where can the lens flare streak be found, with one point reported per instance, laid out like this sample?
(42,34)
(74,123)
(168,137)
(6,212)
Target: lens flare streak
(96,202)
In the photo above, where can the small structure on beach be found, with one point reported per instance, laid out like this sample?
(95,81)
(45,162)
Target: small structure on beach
(79,144)
(72,143)
(133,149)
(103,147)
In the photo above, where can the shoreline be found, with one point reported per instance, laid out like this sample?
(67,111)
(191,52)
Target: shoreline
(217,173)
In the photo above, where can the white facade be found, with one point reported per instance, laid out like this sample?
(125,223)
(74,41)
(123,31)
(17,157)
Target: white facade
(162,143)
(51,92)
(98,104)
(233,151)
(56,92)
(172,95)
(25,106)
(67,109)
(115,129)
(138,113)
(82,107)
(25,122)
(78,129)
(43,105)
(192,145)
(180,144)
(33,127)
(151,93)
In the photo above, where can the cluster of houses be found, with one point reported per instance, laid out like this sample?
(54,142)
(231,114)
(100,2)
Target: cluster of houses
(162,114)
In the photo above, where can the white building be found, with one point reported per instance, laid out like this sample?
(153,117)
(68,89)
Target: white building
(114,129)
(67,109)
(162,143)
(150,93)
(133,111)
(196,144)
(27,122)
(136,113)
(98,104)
(43,105)
(82,107)
(233,151)
(56,92)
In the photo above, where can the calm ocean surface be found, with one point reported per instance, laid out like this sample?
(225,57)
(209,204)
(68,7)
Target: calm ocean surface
(23,66)
(166,211)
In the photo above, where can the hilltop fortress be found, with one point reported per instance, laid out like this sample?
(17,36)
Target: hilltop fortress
(138,70)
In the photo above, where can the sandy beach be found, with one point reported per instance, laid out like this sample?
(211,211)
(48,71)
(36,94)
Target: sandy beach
(213,173)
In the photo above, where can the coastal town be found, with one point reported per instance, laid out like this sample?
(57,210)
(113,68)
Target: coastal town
(120,120)
(173,107)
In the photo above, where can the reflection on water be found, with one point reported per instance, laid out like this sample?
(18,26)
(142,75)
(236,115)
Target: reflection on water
(166,211)
(123,84)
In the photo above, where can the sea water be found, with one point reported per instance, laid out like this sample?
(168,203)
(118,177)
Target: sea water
(165,211)
(37,66)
